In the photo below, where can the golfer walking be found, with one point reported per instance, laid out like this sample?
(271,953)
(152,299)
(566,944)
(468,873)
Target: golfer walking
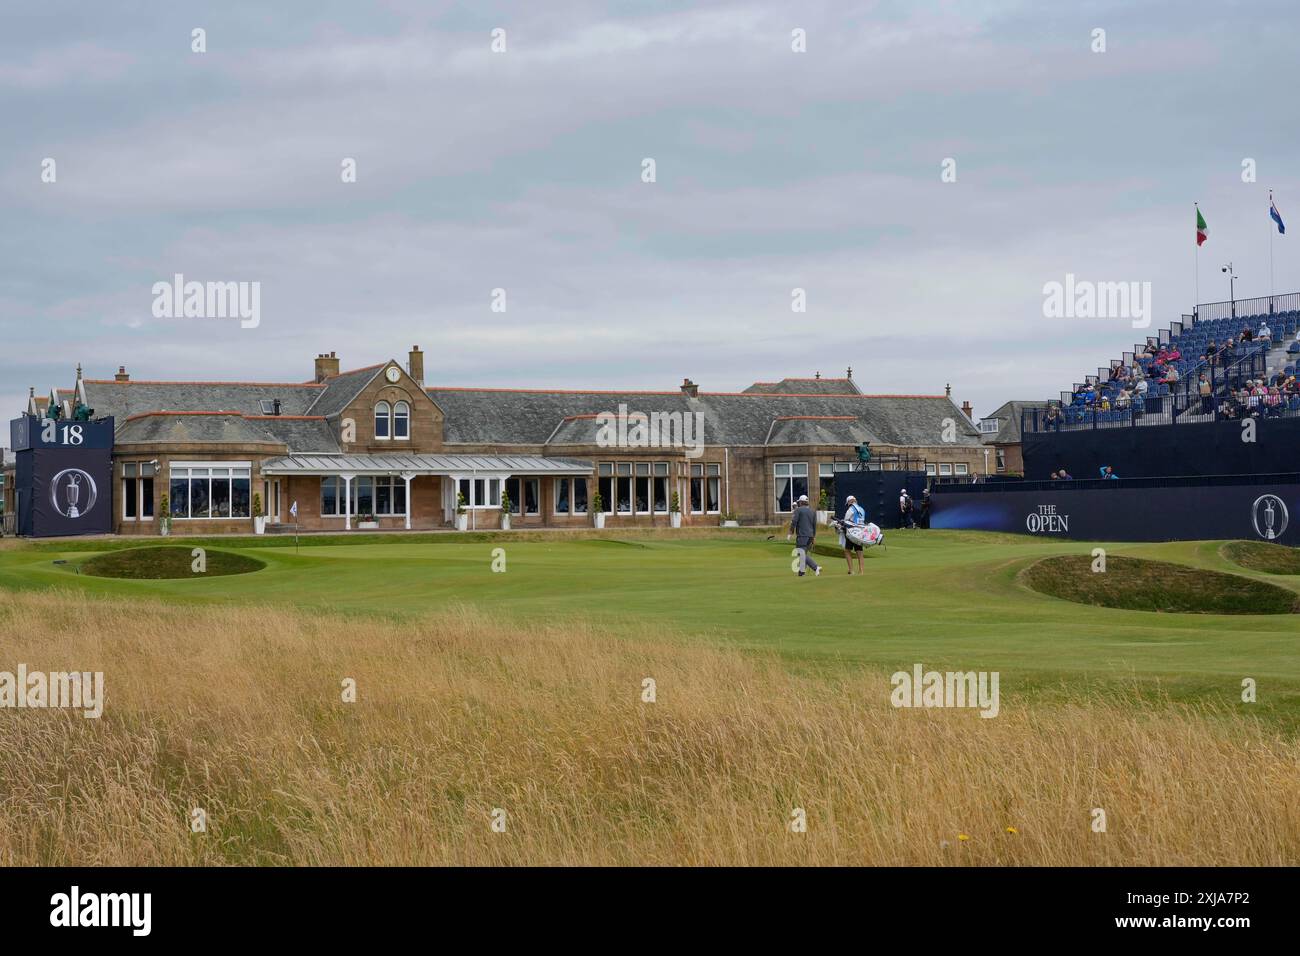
(854,516)
(803,525)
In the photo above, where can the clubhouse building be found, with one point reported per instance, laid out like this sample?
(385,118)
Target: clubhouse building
(378,447)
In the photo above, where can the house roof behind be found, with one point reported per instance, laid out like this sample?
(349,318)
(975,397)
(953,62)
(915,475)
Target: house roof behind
(806,386)
(1008,416)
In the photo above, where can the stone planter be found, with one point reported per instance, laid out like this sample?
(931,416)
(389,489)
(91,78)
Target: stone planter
(164,527)
(676,519)
(505,521)
(731,524)
(823,517)
(368,525)
(599,519)
(259,524)
(462,522)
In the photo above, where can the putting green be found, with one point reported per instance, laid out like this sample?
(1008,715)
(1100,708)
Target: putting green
(949,600)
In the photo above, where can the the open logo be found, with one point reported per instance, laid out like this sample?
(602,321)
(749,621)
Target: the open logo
(1270,516)
(73,492)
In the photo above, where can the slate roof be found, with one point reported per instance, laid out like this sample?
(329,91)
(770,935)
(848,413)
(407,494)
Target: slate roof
(297,434)
(341,389)
(816,411)
(535,417)
(806,386)
(1009,417)
(125,399)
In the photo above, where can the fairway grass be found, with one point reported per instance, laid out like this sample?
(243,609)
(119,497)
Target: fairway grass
(950,600)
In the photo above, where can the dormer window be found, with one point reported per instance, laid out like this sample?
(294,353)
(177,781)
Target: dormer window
(383,426)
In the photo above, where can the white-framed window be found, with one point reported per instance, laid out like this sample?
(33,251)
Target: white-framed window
(570,496)
(961,468)
(930,469)
(945,468)
(481,493)
(623,487)
(525,495)
(371,495)
(659,487)
(706,488)
(137,490)
(401,421)
(990,426)
(209,489)
(790,480)
(383,421)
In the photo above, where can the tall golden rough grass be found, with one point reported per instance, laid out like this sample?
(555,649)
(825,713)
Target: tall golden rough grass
(239,712)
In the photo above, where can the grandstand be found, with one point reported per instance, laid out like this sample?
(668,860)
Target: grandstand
(1190,373)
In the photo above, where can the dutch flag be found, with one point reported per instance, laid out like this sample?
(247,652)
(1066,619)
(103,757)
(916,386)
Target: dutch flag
(1275,215)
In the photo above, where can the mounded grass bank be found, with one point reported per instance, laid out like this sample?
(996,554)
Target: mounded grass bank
(238,711)
(1263,556)
(171,561)
(1136,584)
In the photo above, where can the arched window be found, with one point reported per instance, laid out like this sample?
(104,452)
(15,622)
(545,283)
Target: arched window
(382,412)
(401,420)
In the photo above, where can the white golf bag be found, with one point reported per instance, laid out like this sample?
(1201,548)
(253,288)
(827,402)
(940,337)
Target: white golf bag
(867,536)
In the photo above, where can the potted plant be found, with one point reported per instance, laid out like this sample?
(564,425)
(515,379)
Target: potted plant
(462,517)
(165,516)
(675,510)
(730,519)
(823,507)
(505,511)
(259,519)
(598,510)
(366,521)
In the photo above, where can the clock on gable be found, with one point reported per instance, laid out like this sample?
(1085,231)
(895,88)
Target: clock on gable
(393,373)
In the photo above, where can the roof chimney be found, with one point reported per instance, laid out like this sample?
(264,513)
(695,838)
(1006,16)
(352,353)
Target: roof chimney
(326,366)
(849,374)
(415,365)
(966,409)
(122,374)
(690,389)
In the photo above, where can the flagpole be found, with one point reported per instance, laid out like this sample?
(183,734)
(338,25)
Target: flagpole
(1270,252)
(1196,304)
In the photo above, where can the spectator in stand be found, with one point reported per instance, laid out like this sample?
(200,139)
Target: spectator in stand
(1273,402)
(1229,350)
(1265,333)
(1065,475)
(1207,393)
(1174,355)
(1116,372)
(1123,398)
(1210,350)
(1247,335)
(1171,376)
(1052,420)
(1141,388)
(1053,478)
(1107,472)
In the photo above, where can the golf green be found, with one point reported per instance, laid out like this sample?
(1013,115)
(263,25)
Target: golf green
(944,599)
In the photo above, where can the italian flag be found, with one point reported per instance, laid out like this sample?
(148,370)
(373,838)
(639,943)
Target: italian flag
(1202,231)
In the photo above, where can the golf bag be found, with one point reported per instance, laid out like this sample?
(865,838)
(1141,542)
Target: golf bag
(868,535)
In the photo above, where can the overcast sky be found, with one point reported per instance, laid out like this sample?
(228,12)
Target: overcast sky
(522,170)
